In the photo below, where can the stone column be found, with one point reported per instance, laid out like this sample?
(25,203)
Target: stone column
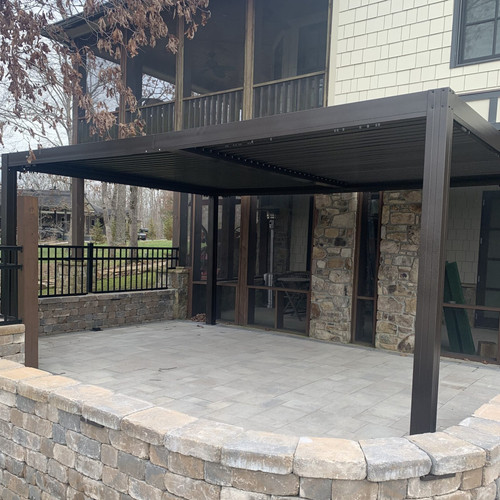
(332,267)
(398,271)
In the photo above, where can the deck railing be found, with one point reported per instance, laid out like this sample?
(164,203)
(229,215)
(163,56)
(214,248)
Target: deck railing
(78,270)
(157,119)
(289,95)
(213,109)
(270,98)
(9,268)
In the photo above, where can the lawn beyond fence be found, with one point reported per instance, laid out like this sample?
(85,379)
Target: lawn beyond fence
(78,270)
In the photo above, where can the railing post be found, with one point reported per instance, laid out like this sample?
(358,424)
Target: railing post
(90,267)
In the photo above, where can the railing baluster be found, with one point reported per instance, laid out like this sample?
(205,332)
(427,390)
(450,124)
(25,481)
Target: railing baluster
(74,270)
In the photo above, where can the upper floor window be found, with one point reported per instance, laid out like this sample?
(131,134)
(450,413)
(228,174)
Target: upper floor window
(478,31)
(290,38)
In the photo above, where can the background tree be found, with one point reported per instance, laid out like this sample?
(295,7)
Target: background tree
(40,80)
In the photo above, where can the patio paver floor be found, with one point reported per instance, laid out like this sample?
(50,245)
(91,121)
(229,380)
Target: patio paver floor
(264,380)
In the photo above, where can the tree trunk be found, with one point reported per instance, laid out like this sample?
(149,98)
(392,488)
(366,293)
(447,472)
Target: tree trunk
(134,193)
(106,208)
(121,214)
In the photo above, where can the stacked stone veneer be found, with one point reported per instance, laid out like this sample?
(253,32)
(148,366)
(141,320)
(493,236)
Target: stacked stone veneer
(398,271)
(61,439)
(12,343)
(73,314)
(332,267)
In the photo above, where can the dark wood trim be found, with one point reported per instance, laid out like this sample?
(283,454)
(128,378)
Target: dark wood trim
(249,60)
(435,195)
(354,308)
(196,238)
(179,76)
(180,236)
(213,229)
(242,292)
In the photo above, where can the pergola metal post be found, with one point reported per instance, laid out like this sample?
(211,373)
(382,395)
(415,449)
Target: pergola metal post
(213,225)
(9,227)
(9,203)
(435,193)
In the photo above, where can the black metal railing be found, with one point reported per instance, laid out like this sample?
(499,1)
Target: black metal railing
(9,268)
(77,270)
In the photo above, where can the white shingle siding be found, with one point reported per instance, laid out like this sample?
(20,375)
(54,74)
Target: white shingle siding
(393,47)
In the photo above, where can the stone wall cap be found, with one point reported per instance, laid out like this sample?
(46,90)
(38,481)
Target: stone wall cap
(483,425)
(10,378)
(39,389)
(260,451)
(489,412)
(394,458)
(6,364)
(110,409)
(71,399)
(12,329)
(329,458)
(488,442)
(151,425)
(449,454)
(202,439)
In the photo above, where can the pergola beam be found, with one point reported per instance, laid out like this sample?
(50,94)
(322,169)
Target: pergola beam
(435,194)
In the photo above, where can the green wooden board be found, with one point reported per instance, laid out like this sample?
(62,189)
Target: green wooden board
(457,321)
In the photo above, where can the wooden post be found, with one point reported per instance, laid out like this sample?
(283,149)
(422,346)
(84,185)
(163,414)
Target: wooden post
(435,193)
(179,77)
(27,207)
(249,61)
(78,185)
(242,295)
(213,225)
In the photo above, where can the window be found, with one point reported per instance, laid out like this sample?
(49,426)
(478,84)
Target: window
(477,27)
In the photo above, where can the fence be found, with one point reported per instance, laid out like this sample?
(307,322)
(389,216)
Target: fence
(9,267)
(78,270)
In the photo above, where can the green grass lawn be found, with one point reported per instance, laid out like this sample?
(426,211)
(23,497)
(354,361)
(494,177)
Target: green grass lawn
(155,243)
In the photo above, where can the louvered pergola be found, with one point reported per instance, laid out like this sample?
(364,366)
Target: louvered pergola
(429,140)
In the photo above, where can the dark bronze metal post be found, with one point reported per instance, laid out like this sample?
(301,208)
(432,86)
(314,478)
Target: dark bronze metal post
(435,193)
(213,225)
(9,228)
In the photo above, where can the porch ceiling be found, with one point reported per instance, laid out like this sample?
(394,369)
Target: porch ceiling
(372,145)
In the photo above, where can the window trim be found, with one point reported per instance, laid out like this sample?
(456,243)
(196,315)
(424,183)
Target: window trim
(457,39)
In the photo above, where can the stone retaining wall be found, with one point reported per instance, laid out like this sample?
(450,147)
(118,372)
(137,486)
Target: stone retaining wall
(62,439)
(12,342)
(106,310)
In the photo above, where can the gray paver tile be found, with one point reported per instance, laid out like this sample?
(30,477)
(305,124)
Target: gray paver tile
(264,380)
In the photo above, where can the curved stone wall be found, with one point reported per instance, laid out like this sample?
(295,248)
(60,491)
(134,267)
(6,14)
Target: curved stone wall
(60,438)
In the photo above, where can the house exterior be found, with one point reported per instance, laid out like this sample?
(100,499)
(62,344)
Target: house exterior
(54,213)
(344,267)
(337,267)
